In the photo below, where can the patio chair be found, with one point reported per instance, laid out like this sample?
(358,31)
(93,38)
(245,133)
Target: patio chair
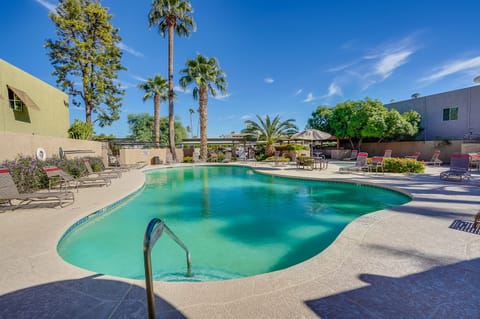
(352,157)
(474,161)
(388,153)
(9,192)
(110,174)
(376,164)
(360,165)
(57,175)
(459,164)
(414,156)
(228,157)
(435,160)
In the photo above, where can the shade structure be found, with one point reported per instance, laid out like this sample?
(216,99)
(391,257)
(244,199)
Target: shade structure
(311,135)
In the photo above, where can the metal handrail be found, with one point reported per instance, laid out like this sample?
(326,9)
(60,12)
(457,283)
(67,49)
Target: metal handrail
(154,230)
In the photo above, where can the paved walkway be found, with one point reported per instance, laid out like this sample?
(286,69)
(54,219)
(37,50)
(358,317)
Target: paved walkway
(403,262)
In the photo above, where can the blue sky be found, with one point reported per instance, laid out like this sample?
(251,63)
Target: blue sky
(280,57)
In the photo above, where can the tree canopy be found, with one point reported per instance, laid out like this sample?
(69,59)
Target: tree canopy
(270,130)
(86,58)
(368,118)
(142,128)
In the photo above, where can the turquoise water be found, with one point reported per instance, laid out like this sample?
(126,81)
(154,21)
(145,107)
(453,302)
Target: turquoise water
(235,222)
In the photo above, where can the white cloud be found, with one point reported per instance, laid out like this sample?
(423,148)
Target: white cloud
(454,67)
(221,96)
(390,62)
(375,65)
(298,92)
(138,78)
(47,5)
(309,97)
(177,88)
(334,89)
(268,80)
(130,50)
(246,117)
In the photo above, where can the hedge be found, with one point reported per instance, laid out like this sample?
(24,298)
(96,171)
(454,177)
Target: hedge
(403,165)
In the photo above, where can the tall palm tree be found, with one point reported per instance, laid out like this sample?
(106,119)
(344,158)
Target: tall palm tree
(270,130)
(191,111)
(173,16)
(155,88)
(204,73)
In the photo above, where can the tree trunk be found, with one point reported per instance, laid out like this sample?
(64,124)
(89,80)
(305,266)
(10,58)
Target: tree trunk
(360,143)
(171,116)
(156,119)
(203,123)
(88,113)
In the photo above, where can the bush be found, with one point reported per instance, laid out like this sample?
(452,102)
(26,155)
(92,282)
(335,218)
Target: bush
(188,159)
(280,159)
(80,130)
(292,147)
(27,172)
(403,165)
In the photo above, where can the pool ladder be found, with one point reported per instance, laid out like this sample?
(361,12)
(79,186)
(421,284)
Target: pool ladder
(154,230)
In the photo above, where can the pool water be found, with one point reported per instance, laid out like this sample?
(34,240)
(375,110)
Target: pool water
(235,222)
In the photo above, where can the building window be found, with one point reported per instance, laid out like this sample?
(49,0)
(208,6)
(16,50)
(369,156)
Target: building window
(450,114)
(15,103)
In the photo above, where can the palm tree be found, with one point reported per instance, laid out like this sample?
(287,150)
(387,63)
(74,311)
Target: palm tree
(192,111)
(270,130)
(204,73)
(155,88)
(172,16)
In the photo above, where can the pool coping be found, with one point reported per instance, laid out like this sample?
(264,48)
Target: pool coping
(334,279)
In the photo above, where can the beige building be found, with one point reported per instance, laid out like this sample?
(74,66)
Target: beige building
(30,106)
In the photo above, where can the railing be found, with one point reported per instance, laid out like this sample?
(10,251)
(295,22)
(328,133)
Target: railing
(154,230)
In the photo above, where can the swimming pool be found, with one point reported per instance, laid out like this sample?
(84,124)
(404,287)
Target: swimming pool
(235,222)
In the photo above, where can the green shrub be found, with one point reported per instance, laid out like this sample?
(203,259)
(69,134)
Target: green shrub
(280,159)
(292,147)
(80,130)
(188,159)
(403,165)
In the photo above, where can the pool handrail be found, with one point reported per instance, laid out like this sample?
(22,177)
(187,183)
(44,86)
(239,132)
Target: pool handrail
(154,231)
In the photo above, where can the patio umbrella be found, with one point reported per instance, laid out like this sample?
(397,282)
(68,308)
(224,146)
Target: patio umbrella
(311,135)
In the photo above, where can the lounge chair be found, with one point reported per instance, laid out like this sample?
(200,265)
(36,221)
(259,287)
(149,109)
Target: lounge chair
(360,165)
(435,160)
(459,164)
(414,156)
(110,174)
(57,175)
(9,192)
(352,157)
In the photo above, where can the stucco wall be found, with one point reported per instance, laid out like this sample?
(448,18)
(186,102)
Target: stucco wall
(14,144)
(52,116)
(431,108)
(426,149)
(134,155)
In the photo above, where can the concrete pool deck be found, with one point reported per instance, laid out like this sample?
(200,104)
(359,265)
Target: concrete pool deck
(403,262)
